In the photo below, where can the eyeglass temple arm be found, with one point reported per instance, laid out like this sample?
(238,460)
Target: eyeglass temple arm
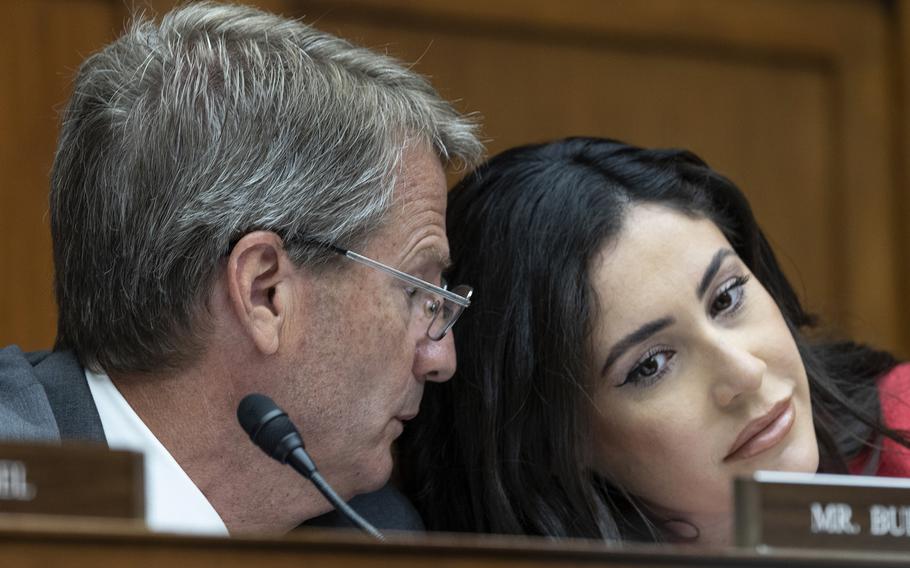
(460,300)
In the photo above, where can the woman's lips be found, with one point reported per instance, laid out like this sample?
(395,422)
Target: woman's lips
(764,432)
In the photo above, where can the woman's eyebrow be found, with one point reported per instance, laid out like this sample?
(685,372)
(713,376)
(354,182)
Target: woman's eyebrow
(711,271)
(634,338)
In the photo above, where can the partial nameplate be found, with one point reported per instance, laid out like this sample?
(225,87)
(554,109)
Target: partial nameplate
(77,479)
(804,510)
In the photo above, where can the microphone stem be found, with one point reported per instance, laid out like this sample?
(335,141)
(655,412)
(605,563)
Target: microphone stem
(343,507)
(270,428)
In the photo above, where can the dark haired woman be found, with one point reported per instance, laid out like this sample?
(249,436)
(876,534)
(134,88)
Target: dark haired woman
(633,346)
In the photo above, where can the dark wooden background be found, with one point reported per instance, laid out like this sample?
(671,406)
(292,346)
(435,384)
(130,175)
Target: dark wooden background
(802,103)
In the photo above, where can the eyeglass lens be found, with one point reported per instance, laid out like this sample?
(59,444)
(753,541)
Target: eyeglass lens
(446,316)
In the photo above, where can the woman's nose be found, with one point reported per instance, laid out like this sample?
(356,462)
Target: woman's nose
(737,371)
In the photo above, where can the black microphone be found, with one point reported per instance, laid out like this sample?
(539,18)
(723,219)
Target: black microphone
(270,428)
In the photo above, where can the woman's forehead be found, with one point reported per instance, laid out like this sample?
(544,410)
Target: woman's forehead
(659,255)
(654,233)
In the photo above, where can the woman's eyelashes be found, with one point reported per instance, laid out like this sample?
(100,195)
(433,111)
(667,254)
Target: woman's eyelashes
(653,365)
(729,297)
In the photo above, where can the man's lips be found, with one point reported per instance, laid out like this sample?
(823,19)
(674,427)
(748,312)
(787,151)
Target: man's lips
(763,432)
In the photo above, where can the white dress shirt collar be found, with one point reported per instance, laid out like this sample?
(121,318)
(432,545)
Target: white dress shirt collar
(173,503)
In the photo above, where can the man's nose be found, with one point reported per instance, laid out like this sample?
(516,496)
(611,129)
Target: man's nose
(737,371)
(435,360)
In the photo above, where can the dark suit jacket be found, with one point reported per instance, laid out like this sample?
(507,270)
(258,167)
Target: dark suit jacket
(44,396)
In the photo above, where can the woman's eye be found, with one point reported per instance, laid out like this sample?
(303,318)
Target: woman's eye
(730,296)
(723,301)
(649,368)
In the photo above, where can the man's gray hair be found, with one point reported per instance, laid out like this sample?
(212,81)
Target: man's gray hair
(181,137)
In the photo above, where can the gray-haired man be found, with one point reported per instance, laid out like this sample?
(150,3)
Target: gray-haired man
(210,175)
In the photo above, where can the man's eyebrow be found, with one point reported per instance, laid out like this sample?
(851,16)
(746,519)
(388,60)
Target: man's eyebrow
(433,255)
(634,338)
(711,271)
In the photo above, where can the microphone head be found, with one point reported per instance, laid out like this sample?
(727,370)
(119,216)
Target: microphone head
(252,409)
(267,425)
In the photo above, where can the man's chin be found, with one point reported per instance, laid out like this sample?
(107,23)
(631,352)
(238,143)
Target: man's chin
(373,473)
(379,471)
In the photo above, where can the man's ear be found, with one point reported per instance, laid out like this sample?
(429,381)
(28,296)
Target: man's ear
(260,279)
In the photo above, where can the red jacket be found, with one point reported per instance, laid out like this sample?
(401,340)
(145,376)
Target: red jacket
(893,459)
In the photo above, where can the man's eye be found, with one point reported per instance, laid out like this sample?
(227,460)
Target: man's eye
(430,308)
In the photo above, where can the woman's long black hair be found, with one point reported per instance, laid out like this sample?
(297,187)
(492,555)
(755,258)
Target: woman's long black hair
(500,448)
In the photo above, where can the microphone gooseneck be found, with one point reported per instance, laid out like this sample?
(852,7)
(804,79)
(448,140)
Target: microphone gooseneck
(272,431)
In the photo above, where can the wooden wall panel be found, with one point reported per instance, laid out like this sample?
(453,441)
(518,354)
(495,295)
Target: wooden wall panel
(901,63)
(42,44)
(720,108)
(798,114)
(792,99)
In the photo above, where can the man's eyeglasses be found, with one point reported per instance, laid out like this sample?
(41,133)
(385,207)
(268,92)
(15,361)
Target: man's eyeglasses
(443,306)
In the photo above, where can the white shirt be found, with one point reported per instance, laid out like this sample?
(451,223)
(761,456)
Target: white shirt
(173,503)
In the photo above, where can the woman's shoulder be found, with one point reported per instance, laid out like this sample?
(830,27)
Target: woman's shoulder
(894,390)
(894,396)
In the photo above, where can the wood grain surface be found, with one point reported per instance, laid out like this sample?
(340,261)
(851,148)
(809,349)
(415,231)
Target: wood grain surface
(93,544)
(799,102)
